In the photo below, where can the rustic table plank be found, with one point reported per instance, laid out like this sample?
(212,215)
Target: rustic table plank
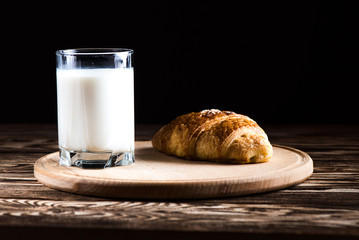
(327,204)
(180,216)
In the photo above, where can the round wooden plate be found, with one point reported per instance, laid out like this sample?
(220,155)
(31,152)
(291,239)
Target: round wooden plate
(158,176)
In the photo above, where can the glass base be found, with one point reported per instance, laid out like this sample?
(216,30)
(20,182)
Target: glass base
(95,160)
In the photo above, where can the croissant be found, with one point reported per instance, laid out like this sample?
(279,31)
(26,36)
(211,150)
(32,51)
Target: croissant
(214,135)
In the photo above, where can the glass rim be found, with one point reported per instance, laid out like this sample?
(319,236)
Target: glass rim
(93,51)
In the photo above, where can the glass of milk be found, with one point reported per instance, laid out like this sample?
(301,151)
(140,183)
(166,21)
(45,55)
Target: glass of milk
(95,99)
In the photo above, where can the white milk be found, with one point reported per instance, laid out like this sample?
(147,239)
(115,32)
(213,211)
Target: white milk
(96,110)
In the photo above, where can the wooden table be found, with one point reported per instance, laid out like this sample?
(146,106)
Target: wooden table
(326,205)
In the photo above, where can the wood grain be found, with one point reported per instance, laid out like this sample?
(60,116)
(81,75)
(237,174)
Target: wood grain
(181,215)
(326,205)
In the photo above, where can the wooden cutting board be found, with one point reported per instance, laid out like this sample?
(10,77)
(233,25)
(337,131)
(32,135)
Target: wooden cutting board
(158,176)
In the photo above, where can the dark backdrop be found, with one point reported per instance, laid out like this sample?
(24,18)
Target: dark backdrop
(277,62)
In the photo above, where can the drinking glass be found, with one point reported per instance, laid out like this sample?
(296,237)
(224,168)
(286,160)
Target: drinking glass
(95,97)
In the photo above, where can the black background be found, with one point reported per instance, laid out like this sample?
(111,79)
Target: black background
(275,61)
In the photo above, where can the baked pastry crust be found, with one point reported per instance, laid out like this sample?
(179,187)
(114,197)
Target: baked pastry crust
(214,135)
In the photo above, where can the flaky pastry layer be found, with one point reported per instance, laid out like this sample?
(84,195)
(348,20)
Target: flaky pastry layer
(214,135)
